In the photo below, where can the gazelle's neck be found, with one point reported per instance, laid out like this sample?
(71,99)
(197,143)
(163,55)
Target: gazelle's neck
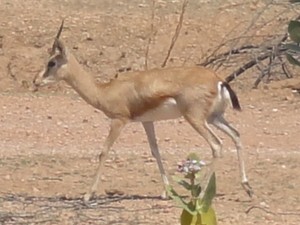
(82,82)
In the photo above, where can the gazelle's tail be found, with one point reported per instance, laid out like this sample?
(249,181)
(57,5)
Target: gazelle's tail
(233,98)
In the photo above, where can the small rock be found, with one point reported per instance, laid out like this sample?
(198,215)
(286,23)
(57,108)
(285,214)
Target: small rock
(288,98)
(114,192)
(154,180)
(35,189)
(263,204)
(167,139)
(150,160)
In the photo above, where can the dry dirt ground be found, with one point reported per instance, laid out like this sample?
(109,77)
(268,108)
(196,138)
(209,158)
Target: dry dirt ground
(49,140)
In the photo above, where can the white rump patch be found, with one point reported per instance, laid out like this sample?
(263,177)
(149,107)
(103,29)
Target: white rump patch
(165,111)
(223,92)
(222,100)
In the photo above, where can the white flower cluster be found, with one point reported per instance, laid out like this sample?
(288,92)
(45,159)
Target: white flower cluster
(190,166)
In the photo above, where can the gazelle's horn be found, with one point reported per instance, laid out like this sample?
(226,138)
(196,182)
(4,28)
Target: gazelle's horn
(57,37)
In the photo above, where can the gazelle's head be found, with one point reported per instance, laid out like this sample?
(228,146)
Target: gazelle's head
(55,68)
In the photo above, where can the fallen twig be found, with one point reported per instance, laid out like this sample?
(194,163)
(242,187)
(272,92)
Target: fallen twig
(271,212)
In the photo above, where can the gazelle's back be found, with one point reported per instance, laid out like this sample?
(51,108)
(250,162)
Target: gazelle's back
(170,81)
(173,75)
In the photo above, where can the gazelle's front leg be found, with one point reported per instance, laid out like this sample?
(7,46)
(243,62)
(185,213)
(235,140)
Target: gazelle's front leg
(149,128)
(115,130)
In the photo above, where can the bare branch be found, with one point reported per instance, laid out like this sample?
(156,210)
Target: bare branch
(151,34)
(254,21)
(264,51)
(285,69)
(231,52)
(223,43)
(246,66)
(177,32)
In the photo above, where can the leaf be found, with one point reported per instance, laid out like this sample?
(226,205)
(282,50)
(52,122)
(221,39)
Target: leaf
(292,60)
(209,218)
(209,194)
(198,189)
(186,206)
(294,30)
(190,176)
(187,219)
(182,182)
(293,47)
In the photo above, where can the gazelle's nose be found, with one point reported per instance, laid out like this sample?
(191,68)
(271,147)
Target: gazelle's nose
(35,83)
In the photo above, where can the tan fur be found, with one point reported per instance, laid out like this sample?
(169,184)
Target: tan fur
(135,93)
(192,91)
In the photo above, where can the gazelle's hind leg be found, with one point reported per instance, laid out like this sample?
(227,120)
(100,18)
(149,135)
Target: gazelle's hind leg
(198,122)
(201,126)
(224,126)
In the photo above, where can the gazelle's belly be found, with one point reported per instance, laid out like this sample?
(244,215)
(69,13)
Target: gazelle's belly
(165,111)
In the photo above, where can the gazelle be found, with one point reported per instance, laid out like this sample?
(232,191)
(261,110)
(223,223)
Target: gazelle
(196,93)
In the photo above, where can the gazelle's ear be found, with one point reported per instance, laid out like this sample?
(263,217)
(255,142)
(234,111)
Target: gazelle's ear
(61,48)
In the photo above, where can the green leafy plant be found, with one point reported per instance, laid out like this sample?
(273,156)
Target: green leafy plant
(294,33)
(198,210)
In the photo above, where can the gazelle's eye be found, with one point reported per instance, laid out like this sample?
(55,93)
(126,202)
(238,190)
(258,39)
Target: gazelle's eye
(51,64)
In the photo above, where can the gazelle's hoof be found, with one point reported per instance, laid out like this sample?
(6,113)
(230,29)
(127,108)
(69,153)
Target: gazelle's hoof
(248,188)
(87,197)
(164,195)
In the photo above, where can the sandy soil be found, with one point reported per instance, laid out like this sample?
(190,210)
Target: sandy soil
(50,139)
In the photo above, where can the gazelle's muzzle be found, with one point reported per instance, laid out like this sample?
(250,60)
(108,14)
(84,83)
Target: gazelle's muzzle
(35,82)
(38,80)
